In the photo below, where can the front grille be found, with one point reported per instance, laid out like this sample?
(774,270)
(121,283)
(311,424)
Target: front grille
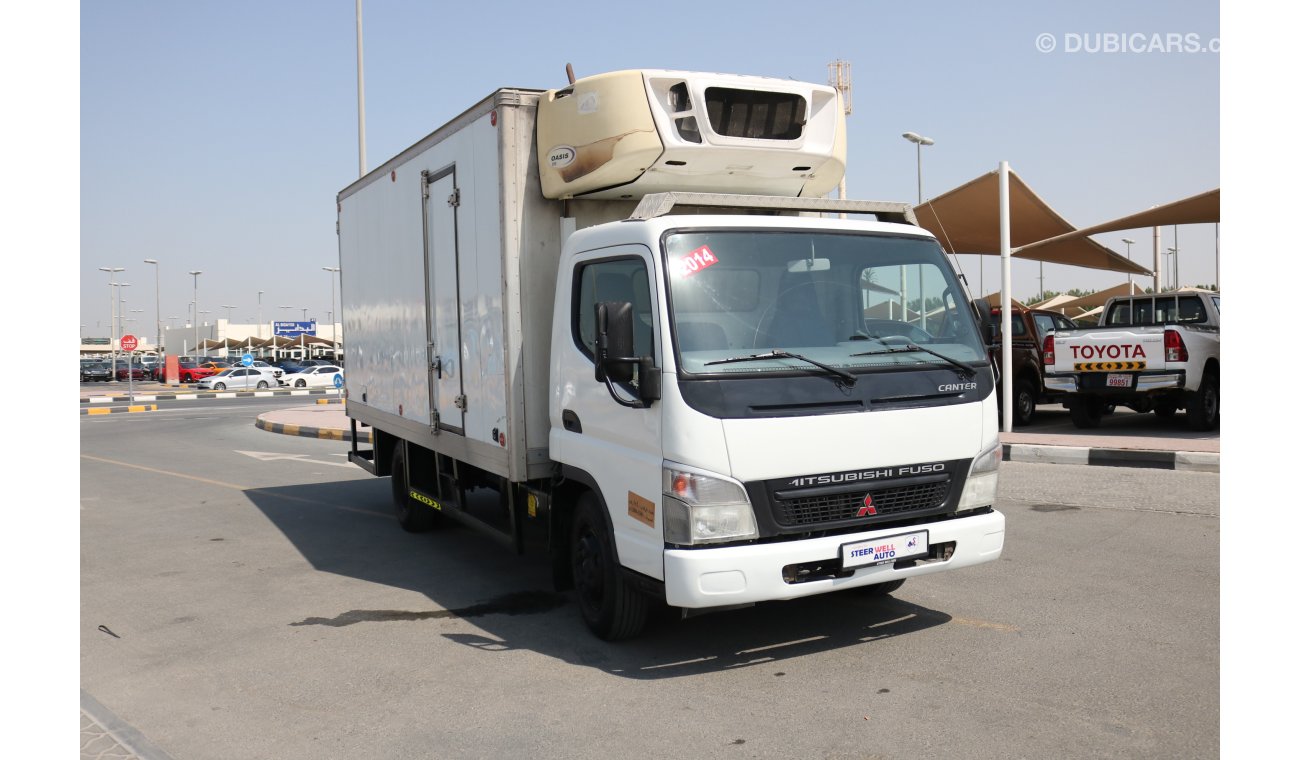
(899,500)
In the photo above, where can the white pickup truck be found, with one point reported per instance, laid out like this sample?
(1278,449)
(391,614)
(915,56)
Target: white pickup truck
(1155,353)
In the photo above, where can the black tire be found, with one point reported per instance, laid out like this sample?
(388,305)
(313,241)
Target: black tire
(1203,407)
(218,386)
(1025,397)
(413,516)
(261,385)
(881,589)
(610,606)
(300,384)
(1086,412)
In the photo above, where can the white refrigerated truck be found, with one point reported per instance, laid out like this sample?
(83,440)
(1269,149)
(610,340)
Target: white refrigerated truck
(620,323)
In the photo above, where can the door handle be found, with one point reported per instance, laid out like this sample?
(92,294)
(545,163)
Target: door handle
(437,366)
(571,421)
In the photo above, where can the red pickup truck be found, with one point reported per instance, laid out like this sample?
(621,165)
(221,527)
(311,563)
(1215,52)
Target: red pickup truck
(1029,330)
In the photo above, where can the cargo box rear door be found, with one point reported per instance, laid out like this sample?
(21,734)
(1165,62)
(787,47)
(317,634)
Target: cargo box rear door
(442,272)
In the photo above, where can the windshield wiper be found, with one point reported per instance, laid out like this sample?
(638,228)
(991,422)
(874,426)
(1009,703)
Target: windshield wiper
(912,348)
(844,377)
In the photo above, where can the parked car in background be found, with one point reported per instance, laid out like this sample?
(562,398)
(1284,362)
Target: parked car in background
(289,366)
(1151,352)
(238,378)
(192,372)
(276,371)
(216,365)
(95,371)
(312,377)
(1029,331)
(132,372)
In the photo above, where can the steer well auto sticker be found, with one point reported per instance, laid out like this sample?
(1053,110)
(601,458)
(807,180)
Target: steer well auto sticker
(641,508)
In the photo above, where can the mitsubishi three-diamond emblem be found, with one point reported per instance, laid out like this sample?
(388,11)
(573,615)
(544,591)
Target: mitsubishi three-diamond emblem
(866,508)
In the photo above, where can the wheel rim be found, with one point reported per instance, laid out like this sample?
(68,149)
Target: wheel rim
(1025,403)
(588,564)
(219,387)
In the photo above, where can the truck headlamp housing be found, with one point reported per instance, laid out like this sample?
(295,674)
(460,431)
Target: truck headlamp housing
(982,483)
(704,509)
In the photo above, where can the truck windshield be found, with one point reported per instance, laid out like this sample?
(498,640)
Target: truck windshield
(833,298)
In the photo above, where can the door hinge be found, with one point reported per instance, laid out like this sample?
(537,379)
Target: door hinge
(461,402)
(424,184)
(453,200)
(435,422)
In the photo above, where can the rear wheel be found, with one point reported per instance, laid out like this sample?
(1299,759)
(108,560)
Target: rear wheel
(611,607)
(1086,412)
(261,384)
(413,516)
(1203,408)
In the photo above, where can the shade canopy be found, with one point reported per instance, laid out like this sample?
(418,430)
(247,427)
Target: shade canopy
(965,220)
(1196,209)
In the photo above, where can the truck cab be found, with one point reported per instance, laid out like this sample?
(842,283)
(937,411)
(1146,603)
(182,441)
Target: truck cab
(789,421)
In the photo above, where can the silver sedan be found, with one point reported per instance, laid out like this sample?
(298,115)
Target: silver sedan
(238,378)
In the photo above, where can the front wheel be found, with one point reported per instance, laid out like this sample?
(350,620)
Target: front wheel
(300,384)
(219,387)
(610,606)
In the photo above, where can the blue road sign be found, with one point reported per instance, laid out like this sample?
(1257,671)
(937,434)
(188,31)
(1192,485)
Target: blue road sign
(294,329)
(246,360)
(338,380)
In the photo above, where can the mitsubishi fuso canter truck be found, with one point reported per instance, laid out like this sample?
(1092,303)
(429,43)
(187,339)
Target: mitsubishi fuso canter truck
(619,322)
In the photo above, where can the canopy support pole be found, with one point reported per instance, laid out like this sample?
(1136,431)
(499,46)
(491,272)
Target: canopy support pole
(1004,230)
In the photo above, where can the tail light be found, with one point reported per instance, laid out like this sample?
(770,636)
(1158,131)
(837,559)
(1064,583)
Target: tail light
(1049,351)
(1175,349)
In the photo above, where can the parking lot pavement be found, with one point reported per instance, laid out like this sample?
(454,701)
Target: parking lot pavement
(1125,438)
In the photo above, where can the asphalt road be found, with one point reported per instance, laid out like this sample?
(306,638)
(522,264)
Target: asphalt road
(263,603)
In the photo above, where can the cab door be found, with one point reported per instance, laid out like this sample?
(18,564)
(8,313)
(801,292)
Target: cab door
(617,446)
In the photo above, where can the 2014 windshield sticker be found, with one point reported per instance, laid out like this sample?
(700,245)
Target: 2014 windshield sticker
(694,262)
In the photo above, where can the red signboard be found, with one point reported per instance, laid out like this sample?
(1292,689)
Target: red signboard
(129,342)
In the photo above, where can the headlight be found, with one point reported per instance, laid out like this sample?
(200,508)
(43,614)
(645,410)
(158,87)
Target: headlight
(982,482)
(704,509)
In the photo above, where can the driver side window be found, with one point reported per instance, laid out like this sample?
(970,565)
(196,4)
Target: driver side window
(613,280)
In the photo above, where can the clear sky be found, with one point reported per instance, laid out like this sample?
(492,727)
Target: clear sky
(215,136)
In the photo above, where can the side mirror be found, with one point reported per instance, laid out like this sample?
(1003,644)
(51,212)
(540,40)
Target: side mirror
(614,341)
(984,313)
(614,359)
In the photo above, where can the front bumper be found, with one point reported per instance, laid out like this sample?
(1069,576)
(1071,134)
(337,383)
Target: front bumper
(721,576)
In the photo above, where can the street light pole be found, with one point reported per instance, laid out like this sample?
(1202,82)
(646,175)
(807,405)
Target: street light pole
(157,294)
(1128,252)
(334,314)
(196,274)
(112,314)
(920,141)
(1173,265)
(259,314)
(290,307)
